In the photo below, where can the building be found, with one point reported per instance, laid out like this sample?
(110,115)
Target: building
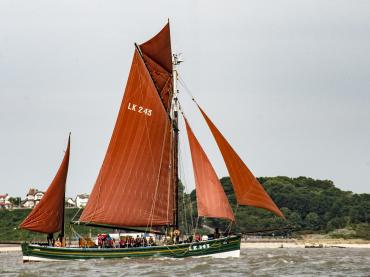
(70,203)
(81,200)
(5,202)
(33,197)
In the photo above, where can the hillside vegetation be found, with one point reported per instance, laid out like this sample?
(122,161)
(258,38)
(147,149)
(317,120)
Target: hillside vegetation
(310,206)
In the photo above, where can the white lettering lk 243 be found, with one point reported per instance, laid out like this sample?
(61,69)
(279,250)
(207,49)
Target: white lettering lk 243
(139,109)
(198,247)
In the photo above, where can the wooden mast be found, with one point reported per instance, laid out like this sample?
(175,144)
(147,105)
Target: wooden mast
(62,232)
(175,122)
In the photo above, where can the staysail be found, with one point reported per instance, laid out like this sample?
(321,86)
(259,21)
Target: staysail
(47,216)
(135,185)
(247,189)
(211,198)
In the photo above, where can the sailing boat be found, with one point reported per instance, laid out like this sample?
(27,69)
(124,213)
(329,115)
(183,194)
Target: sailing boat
(137,186)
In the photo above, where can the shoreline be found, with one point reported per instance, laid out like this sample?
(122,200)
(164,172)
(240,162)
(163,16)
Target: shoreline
(318,244)
(308,242)
(7,248)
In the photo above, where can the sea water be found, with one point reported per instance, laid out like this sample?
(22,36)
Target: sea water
(252,262)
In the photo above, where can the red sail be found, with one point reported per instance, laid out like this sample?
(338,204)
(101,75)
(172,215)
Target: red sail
(247,189)
(158,48)
(47,216)
(157,56)
(135,183)
(211,198)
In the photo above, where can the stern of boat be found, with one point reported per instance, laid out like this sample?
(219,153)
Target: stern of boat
(29,253)
(25,252)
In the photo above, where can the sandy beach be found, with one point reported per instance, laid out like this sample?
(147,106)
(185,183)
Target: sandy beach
(303,244)
(6,248)
(318,241)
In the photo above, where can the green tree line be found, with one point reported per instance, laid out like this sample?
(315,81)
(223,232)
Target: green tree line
(309,206)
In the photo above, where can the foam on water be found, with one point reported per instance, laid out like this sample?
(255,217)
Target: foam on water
(252,262)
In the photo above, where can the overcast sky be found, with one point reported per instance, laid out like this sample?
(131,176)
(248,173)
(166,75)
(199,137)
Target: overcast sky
(287,82)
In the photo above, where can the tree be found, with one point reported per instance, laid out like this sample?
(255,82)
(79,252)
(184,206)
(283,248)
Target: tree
(16,201)
(336,223)
(295,220)
(312,221)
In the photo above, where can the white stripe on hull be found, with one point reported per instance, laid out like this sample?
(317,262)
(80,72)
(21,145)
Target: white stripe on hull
(39,259)
(228,254)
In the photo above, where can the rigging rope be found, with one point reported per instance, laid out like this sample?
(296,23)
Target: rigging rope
(182,82)
(192,213)
(76,214)
(186,187)
(187,90)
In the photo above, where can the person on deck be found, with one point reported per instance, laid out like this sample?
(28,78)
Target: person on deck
(100,241)
(50,239)
(217,233)
(122,242)
(60,239)
(109,241)
(137,241)
(151,242)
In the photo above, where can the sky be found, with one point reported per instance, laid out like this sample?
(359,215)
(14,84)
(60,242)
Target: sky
(286,82)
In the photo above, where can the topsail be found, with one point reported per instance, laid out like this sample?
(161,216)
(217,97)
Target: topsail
(157,56)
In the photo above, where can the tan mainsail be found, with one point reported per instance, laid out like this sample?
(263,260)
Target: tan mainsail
(247,189)
(135,186)
(47,216)
(211,198)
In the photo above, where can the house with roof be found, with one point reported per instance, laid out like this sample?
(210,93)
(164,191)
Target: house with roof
(33,197)
(70,203)
(81,200)
(5,202)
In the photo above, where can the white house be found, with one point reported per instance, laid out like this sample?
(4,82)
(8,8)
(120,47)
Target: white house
(38,196)
(70,203)
(5,202)
(33,197)
(81,200)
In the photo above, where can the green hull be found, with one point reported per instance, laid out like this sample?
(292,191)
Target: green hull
(224,247)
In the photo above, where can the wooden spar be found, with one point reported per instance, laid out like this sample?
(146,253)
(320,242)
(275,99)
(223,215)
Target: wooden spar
(131,229)
(62,232)
(176,149)
(175,121)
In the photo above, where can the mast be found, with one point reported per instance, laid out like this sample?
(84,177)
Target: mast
(63,214)
(64,204)
(175,123)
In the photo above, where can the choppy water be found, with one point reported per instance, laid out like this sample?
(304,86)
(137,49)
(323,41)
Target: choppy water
(253,262)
